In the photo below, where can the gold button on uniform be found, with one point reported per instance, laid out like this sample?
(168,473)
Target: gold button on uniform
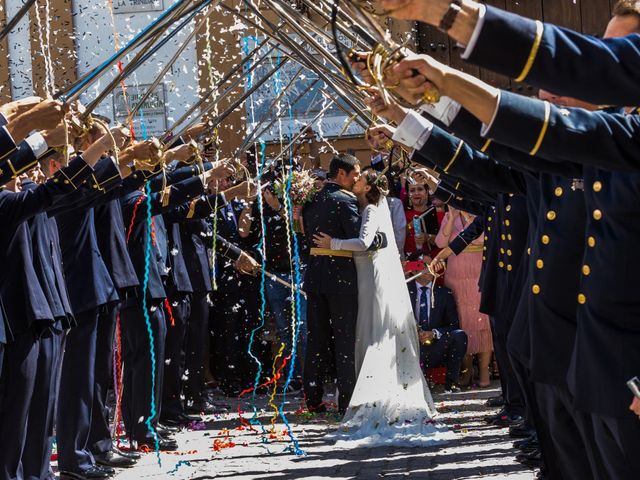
(502,251)
(486,238)
(529,251)
(501,264)
(597,186)
(507,223)
(509,237)
(509,268)
(540,264)
(508,208)
(597,214)
(586,270)
(509,252)
(559,192)
(489,219)
(582,299)
(546,239)
(503,236)
(551,215)
(535,289)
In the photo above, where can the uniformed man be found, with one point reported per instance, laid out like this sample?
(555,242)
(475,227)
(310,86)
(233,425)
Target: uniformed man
(602,71)
(562,134)
(27,307)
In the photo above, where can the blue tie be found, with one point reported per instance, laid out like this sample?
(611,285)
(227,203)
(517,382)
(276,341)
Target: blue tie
(424,306)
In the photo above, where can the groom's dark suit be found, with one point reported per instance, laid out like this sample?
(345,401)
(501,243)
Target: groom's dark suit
(441,316)
(332,296)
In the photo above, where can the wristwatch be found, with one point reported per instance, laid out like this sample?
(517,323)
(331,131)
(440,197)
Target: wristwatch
(450,16)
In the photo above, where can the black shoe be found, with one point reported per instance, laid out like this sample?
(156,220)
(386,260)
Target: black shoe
(113,459)
(188,419)
(530,447)
(525,441)
(494,402)
(167,444)
(206,408)
(453,388)
(507,421)
(164,429)
(496,416)
(533,459)
(521,430)
(93,472)
(108,470)
(128,453)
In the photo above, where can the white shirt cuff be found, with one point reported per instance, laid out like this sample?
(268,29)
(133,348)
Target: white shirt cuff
(37,143)
(485,128)
(476,34)
(444,111)
(413,131)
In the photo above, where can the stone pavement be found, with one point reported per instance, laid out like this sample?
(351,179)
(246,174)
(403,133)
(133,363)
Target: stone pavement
(478,451)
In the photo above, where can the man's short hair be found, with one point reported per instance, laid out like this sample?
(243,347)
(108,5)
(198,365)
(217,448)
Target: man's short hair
(344,162)
(627,7)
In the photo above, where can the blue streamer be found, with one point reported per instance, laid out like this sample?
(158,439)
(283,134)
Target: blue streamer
(147,319)
(178,465)
(295,447)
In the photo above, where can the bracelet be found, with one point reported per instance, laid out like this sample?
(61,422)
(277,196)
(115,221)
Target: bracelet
(450,17)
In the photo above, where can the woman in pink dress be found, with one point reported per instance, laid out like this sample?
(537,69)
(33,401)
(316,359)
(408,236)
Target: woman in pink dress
(463,272)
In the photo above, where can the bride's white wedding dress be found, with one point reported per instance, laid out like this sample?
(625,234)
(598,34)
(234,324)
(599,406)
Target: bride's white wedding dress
(391,403)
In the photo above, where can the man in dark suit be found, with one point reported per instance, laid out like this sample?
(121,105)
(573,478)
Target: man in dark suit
(332,286)
(442,342)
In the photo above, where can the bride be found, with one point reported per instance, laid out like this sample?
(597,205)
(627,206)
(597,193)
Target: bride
(391,403)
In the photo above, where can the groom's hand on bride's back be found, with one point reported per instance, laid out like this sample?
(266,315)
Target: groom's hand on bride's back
(379,242)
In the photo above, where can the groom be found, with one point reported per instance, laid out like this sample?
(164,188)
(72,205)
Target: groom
(331,285)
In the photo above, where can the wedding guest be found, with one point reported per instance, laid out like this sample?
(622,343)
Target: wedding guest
(234,313)
(442,342)
(418,213)
(462,277)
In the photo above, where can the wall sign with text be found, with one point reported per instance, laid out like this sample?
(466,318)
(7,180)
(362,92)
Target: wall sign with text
(151,119)
(134,6)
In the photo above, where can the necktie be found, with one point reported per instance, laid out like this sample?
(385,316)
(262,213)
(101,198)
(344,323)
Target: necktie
(424,307)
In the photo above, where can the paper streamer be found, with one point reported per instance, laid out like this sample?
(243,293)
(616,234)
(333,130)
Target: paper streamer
(294,261)
(147,320)
(262,247)
(296,304)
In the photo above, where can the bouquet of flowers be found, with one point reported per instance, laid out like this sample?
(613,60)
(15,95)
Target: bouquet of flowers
(301,191)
